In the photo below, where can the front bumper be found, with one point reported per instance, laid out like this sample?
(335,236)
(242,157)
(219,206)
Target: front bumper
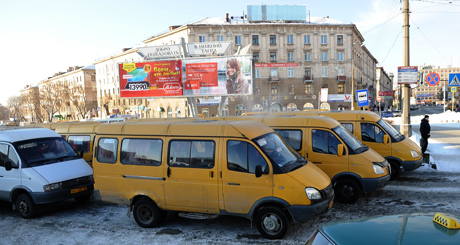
(305,213)
(375,183)
(60,195)
(412,165)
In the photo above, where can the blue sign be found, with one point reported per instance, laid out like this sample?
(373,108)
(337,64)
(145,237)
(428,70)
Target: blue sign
(363,98)
(454,80)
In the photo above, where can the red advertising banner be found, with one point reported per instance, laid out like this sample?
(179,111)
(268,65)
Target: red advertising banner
(148,79)
(387,93)
(201,75)
(276,64)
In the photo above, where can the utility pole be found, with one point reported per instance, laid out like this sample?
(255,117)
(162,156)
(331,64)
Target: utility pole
(406,128)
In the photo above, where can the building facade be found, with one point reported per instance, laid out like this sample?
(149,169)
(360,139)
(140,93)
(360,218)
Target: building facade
(293,61)
(438,94)
(384,87)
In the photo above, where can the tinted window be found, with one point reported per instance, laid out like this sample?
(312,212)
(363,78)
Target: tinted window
(80,143)
(292,137)
(244,157)
(141,151)
(107,149)
(8,154)
(43,151)
(348,126)
(371,133)
(324,142)
(191,153)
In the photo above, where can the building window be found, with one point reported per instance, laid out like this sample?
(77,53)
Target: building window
(323,39)
(274,72)
(340,56)
(257,73)
(291,72)
(256,56)
(237,40)
(324,56)
(290,39)
(290,56)
(340,39)
(306,39)
(272,56)
(340,88)
(255,39)
(220,38)
(307,56)
(274,90)
(341,72)
(273,39)
(202,39)
(324,72)
(257,108)
(308,88)
(291,89)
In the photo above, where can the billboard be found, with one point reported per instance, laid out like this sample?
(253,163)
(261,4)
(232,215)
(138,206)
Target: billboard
(190,77)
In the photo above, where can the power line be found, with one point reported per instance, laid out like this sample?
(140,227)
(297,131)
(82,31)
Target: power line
(393,45)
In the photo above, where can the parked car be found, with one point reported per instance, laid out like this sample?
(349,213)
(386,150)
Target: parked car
(387,114)
(397,113)
(395,229)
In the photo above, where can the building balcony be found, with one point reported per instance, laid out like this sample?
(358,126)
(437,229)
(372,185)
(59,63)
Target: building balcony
(273,79)
(308,79)
(341,78)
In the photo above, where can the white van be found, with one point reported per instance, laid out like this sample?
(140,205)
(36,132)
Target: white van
(37,166)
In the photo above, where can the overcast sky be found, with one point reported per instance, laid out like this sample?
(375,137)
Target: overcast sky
(40,38)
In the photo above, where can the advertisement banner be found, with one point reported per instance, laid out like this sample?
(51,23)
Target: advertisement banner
(339,98)
(190,77)
(149,79)
(386,93)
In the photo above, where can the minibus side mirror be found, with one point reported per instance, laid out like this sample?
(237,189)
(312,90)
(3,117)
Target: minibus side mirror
(259,171)
(339,150)
(386,139)
(8,165)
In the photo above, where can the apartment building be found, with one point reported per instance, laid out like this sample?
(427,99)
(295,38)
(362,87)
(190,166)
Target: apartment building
(294,60)
(384,88)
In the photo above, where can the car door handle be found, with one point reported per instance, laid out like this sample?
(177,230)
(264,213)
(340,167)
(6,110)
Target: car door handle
(168,172)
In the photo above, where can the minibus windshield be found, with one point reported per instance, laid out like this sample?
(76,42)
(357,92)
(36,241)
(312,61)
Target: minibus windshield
(43,151)
(352,142)
(391,131)
(279,152)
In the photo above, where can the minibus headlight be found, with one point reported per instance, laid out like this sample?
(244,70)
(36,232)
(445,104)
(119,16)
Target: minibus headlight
(52,187)
(312,193)
(378,169)
(414,154)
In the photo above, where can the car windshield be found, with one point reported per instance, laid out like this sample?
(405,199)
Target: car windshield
(43,151)
(391,131)
(279,152)
(349,139)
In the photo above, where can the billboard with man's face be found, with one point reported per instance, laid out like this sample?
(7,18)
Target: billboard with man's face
(191,77)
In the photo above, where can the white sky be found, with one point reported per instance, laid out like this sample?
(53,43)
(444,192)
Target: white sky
(40,38)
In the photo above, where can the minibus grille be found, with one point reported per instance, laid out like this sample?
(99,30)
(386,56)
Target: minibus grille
(76,182)
(327,192)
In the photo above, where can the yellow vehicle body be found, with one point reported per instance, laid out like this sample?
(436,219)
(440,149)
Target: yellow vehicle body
(303,133)
(80,135)
(195,166)
(398,150)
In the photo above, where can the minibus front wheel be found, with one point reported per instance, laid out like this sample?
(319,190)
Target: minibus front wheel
(272,222)
(146,213)
(25,206)
(347,191)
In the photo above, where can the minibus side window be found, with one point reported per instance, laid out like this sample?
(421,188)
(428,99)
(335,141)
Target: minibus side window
(7,153)
(79,142)
(141,151)
(348,126)
(191,153)
(324,142)
(371,133)
(244,157)
(106,150)
(292,137)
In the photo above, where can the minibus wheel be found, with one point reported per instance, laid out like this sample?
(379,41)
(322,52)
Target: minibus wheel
(146,213)
(395,170)
(347,191)
(25,206)
(271,222)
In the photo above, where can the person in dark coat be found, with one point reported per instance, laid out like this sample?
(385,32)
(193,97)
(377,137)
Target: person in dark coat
(425,130)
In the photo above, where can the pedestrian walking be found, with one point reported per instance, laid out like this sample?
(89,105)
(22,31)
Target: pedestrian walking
(425,130)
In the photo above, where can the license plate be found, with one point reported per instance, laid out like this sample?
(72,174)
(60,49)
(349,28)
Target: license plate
(76,190)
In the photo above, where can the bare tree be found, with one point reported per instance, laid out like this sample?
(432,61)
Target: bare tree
(4,112)
(31,103)
(51,98)
(15,105)
(78,97)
